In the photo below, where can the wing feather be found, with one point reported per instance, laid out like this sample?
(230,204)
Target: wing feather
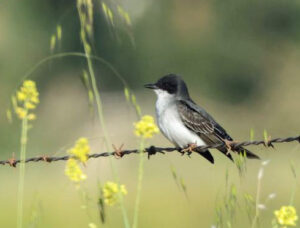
(199,121)
(202,124)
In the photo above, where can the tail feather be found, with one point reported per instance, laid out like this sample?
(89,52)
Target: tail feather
(225,151)
(228,155)
(239,150)
(249,154)
(206,154)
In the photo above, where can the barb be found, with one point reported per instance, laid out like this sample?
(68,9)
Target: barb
(152,150)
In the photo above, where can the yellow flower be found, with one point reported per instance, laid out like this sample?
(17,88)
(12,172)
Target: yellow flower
(21,96)
(286,216)
(73,171)
(29,105)
(21,112)
(31,116)
(81,149)
(35,100)
(27,97)
(146,127)
(110,192)
(28,92)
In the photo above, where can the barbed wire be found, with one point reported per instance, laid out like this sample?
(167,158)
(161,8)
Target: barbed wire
(152,150)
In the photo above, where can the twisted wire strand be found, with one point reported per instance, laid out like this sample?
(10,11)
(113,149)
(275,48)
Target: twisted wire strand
(152,150)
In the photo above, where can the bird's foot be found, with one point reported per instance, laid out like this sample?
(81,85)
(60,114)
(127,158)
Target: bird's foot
(229,145)
(189,149)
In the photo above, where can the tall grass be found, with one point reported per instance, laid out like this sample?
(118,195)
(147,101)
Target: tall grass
(139,185)
(24,130)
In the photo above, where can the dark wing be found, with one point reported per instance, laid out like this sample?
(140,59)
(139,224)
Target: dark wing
(199,121)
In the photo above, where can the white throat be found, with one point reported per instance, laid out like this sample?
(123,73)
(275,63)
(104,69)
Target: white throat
(170,123)
(164,99)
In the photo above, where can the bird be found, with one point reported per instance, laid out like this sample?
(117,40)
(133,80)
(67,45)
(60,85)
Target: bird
(186,124)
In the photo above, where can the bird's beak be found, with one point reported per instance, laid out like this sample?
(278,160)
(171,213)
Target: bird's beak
(150,86)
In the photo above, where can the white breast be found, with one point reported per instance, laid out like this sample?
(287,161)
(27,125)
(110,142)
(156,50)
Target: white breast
(170,123)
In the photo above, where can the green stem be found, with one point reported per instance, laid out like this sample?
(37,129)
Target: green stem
(98,101)
(84,202)
(77,54)
(293,193)
(73,54)
(100,113)
(254,222)
(22,172)
(106,137)
(139,186)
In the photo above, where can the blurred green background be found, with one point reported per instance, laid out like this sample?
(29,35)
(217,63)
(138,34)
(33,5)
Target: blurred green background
(239,58)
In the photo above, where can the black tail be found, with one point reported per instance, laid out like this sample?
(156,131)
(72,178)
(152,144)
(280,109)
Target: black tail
(248,153)
(239,150)
(206,154)
(227,154)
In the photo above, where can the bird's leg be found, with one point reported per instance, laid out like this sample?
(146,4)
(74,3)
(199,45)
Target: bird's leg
(179,150)
(189,149)
(229,145)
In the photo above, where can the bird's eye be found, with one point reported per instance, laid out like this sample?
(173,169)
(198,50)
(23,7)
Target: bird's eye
(165,85)
(170,87)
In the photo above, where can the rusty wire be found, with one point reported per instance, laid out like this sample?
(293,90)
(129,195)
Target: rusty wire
(152,150)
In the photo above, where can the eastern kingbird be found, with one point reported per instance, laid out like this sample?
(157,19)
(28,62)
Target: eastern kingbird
(186,124)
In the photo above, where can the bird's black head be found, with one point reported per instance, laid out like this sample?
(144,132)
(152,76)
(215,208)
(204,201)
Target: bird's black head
(171,83)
